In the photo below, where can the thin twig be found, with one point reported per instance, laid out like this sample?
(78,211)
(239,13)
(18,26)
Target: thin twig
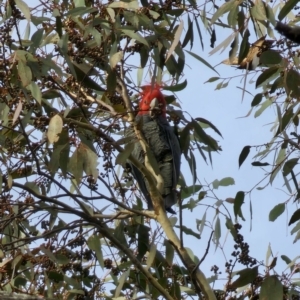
(206,252)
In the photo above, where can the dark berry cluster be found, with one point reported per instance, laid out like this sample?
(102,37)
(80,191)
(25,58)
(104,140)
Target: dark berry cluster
(242,249)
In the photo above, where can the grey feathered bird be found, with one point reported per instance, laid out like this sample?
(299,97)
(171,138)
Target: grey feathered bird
(163,143)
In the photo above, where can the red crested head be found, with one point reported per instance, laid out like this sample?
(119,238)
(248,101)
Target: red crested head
(148,94)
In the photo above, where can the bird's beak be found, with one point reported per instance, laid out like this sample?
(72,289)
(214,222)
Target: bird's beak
(153,106)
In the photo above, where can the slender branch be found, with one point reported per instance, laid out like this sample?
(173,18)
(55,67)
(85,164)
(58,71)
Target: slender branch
(196,274)
(206,252)
(91,99)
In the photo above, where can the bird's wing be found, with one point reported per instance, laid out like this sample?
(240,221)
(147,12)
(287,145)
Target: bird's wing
(176,153)
(137,174)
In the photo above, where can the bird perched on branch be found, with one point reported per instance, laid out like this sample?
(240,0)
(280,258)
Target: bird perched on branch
(252,58)
(290,32)
(163,143)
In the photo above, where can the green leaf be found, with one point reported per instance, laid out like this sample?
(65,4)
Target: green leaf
(244,154)
(289,165)
(202,60)
(176,88)
(123,156)
(172,66)
(245,46)
(288,6)
(58,26)
(151,256)
(188,231)
(121,281)
(263,107)
(144,56)
(51,94)
(238,202)
(270,57)
(285,120)
(258,11)
(61,259)
(201,223)
(241,21)
(202,120)
(295,217)
(81,10)
(257,99)
(192,164)
(226,181)
(119,232)
(83,77)
(35,91)
(259,164)
(55,276)
(230,226)
(176,39)
(271,289)
(223,45)
(266,76)
(112,81)
(36,39)
(276,211)
(64,151)
(175,12)
(206,139)
(286,260)
(215,184)
(136,36)
(24,73)
(33,186)
(94,244)
(54,129)
(134,5)
(115,59)
(189,35)
(190,190)
(23,8)
(54,161)
(75,166)
(292,83)
(270,15)
(90,161)
(17,112)
(246,276)
(212,79)
(225,7)
(217,233)
(20,282)
(232,16)
(199,32)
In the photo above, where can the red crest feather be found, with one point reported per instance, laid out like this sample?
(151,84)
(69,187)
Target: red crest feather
(148,93)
